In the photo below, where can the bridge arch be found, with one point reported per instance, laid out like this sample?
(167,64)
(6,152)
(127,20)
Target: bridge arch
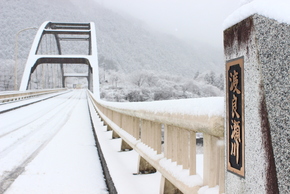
(64,32)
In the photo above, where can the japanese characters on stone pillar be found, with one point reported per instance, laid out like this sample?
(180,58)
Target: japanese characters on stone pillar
(235,117)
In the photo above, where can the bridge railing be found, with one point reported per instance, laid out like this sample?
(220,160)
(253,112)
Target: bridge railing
(165,139)
(21,95)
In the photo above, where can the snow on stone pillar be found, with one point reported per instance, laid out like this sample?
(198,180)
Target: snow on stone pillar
(257,79)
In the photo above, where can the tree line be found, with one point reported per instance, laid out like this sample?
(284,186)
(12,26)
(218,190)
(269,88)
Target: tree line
(149,86)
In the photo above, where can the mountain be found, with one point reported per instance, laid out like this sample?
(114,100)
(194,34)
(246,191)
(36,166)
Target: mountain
(124,44)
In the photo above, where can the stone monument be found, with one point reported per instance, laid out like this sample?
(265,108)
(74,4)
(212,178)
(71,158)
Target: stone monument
(257,54)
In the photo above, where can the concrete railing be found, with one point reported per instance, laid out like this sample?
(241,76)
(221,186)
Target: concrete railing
(166,141)
(21,95)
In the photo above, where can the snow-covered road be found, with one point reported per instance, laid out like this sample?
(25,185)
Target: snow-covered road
(49,147)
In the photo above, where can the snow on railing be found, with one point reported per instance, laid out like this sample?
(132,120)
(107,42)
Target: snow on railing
(21,95)
(163,133)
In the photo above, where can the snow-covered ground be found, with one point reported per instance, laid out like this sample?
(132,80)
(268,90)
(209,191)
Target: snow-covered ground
(11,105)
(49,147)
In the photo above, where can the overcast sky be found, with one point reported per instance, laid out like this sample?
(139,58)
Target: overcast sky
(187,19)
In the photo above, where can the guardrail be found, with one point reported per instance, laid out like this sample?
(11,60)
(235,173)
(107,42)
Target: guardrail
(165,139)
(21,95)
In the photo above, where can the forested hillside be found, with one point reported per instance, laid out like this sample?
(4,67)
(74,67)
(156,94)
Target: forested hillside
(125,45)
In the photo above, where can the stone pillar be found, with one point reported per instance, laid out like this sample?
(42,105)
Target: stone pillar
(263,45)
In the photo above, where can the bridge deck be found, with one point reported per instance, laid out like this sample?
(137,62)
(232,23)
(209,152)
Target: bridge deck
(48,147)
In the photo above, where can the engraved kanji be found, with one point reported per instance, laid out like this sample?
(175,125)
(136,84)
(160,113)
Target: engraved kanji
(234,79)
(235,107)
(237,139)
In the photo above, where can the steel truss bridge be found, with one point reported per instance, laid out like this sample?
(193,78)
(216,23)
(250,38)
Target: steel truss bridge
(57,47)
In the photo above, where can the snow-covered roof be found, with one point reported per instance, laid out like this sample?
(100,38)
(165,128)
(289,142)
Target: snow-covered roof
(275,9)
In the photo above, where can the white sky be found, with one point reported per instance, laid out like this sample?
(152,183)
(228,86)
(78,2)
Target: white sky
(187,19)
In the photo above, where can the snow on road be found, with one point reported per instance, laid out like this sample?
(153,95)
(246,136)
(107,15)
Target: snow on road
(5,107)
(48,147)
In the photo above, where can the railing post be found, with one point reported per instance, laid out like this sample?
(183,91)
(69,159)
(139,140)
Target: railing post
(136,128)
(109,128)
(150,134)
(144,127)
(185,148)
(126,125)
(124,122)
(174,143)
(115,135)
(104,111)
(130,124)
(192,153)
(110,114)
(125,146)
(119,120)
(153,134)
(168,142)
(221,181)
(165,143)
(167,187)
(210,164)
(116,120)
(157,137)
(145,167)
(178,143)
